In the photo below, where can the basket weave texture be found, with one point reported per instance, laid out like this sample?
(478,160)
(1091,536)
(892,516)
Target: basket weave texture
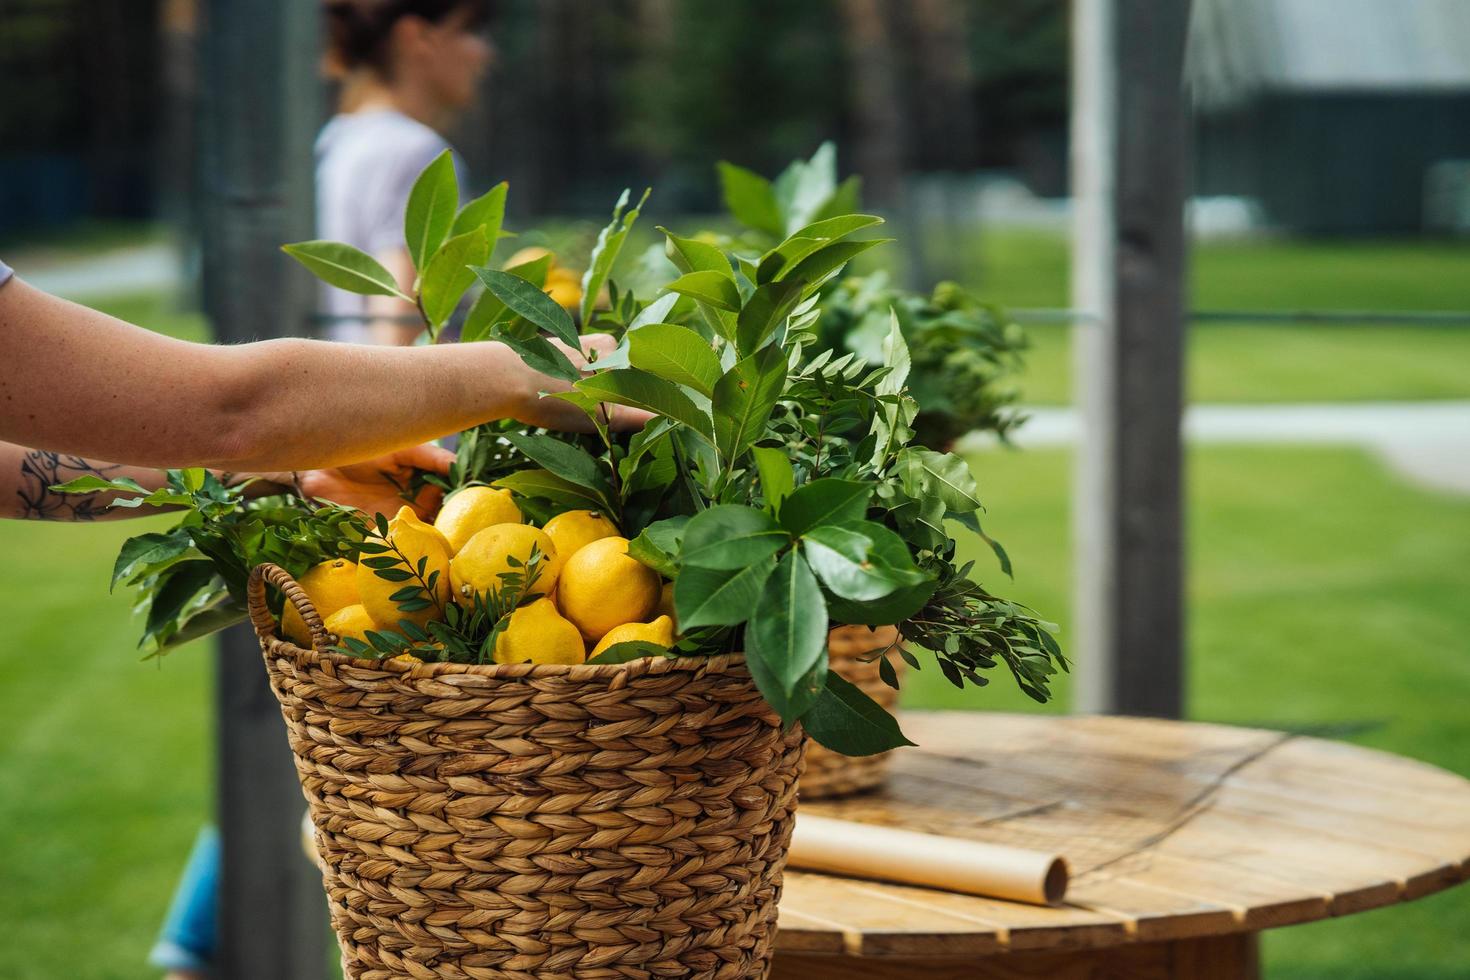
(851,653)
(593,822)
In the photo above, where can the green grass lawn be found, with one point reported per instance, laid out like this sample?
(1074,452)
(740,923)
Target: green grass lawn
(1253,362)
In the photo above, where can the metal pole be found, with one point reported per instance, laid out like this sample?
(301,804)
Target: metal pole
(261,100)
(1129,166)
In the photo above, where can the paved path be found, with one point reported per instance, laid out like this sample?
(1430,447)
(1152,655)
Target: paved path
(1426,442)
(141,269)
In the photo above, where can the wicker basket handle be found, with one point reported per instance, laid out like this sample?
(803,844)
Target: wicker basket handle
(260,613)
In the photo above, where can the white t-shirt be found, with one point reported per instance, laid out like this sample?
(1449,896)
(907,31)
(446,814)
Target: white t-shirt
(366,163)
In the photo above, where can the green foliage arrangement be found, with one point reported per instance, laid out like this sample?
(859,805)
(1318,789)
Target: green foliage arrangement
(780,485)
(966,355)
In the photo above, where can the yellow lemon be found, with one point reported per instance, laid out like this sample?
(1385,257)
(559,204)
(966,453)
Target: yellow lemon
(529,254)
(576,529)
(567,292)
(665,605)
(471,510)
(330,586)
(601,587)
(660,631)
(486,556)
(351,622)
(538,633)
(414,540)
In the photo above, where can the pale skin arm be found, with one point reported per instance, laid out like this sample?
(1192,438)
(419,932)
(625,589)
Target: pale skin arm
(83,383)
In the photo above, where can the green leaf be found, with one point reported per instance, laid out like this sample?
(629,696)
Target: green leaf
(179,585)
(346,268)
(749,198)
(530,302)
(564,460)
(675,353)
(895,358)
(778,263)
(851,565)
(444,282)
(787,637)
(926,473)
(605,251)
(148,554)
(430,211)
(766,309)
(486,211)
(655,312)
(886,611)
(847,721)
(778,477)
(534,271)
(815,268)
(488,309)
(548,486)
(710,597)
(539,353)
(708,287)
(845,200)
(744,397)
(825,501)
(211,610)
(802,187)
(642,390)
(693,255)
(971,521)
(95,484)
(621,653)
(658,545)
(731,536)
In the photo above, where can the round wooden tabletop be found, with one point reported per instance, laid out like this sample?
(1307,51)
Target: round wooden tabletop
(1174,831)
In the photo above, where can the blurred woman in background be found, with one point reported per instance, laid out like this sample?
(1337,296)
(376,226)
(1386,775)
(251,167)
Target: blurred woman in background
(407,70)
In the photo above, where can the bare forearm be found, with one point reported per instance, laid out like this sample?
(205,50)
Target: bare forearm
(79,382)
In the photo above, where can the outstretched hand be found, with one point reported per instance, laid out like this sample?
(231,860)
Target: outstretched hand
(557,413)
(376,486)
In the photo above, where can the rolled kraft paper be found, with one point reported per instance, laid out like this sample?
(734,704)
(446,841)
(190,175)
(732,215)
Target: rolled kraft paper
(904,856)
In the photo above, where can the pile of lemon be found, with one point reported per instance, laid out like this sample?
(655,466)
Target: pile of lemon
(587,595)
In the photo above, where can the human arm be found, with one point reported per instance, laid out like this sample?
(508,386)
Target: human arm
(374,486)
(83,383)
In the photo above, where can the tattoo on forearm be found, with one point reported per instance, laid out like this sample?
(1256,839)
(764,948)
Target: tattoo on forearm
(40,470)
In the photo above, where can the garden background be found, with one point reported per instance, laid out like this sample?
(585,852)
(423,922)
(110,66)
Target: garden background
(1328,562)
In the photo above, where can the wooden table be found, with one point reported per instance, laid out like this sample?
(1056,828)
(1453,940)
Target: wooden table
(1185,840)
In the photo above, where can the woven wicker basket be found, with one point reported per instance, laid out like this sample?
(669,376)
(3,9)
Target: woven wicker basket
(596,822)
(829,774)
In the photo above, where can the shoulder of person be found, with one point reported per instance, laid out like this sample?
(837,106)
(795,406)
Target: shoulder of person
(385,136)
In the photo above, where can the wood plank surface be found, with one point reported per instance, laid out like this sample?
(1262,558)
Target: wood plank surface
(1174,831)
(1211,958)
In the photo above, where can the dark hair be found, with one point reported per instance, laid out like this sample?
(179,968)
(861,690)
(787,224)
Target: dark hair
(358,30)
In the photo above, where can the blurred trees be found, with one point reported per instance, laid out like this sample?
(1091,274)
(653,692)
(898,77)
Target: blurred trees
(588,98)
(593,96)
(79,117)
